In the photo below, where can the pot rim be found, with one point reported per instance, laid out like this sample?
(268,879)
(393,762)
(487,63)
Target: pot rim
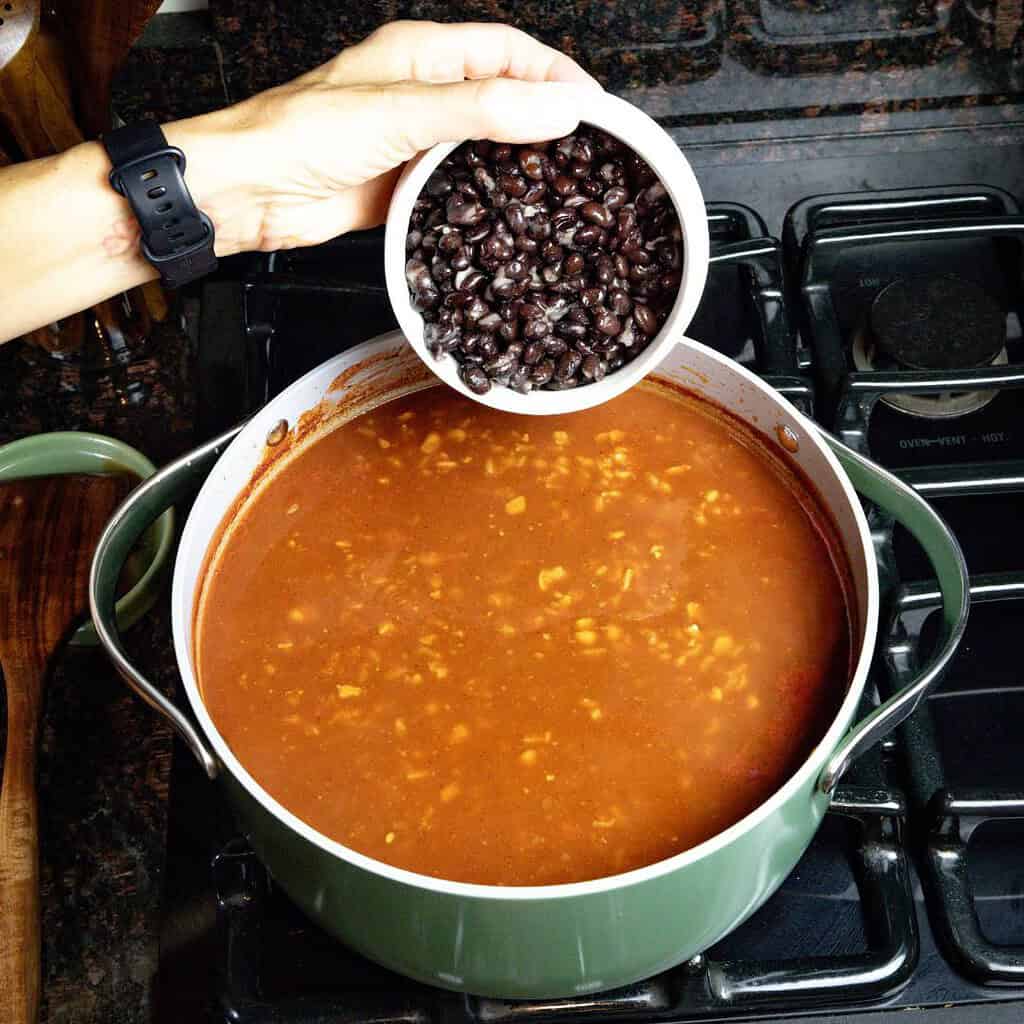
(182,593)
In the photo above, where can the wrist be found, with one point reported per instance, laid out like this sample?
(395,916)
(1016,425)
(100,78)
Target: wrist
(218,176)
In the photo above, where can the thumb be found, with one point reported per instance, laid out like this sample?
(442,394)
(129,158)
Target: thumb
(503,109)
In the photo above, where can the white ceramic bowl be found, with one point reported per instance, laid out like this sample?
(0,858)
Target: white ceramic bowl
(647,138)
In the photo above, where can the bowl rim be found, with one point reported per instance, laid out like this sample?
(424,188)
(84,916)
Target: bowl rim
(648,139)
(196,534)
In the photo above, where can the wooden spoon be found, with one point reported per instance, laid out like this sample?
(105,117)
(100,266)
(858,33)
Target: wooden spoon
(48,530)
(99,35)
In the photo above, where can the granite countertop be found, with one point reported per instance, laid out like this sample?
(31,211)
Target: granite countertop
(105,757)
(733,80)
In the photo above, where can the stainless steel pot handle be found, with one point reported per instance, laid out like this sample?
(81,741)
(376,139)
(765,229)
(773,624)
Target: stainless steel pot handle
(943,551)
(133,517)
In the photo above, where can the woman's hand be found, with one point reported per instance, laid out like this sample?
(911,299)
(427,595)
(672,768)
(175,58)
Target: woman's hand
(320,155)
(292,166)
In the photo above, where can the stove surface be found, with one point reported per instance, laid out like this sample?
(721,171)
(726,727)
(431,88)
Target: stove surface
(911,897)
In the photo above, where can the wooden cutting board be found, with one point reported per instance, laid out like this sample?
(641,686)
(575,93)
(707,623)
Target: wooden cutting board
(48,531)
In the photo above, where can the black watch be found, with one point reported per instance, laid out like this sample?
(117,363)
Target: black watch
(177,238)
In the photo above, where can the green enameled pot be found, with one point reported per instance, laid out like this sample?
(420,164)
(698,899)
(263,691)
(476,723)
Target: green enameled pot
(545,941)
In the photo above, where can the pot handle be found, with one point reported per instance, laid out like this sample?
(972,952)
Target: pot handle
(940,545)
(133,517)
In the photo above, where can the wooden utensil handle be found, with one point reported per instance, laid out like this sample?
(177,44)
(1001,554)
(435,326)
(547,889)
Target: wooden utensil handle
(19,849)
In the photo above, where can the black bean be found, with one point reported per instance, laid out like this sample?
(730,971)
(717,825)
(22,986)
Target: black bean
(631,240)
(654,194)
(476,380)
(515,217)
(542,372)
(645,319)
(606,322)
(486,346)
(449,239)
(470,280)
(509,330)
(568,365)
(489,323)
(583,150)
(475,309)
(477,233)
(570,329)
(592,188)
(512,185)
(496,248)
(562,219)
(573,263)
(619,302)
(588,234)
(501,152)
(536,329)
(539,226)
(615,197)
(593,368)
(517,270)
(644,272)
(578,169)
(438,185)
(535,193)
(551,252)
(520,380)
(591,297)
(563,185)
(485,182)
(598,214)
(464,211)
(531,162)
(524,243)
(669,283)
(441,338)
(533,353)
(504,363)
(669,255)
(416,273)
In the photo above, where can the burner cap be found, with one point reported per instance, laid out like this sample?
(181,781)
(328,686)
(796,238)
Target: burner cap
(937,323)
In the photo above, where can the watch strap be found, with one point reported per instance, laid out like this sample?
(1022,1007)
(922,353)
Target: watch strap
(177,238)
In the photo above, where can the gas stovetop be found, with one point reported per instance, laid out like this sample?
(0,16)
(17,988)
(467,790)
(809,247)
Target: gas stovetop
(892,317)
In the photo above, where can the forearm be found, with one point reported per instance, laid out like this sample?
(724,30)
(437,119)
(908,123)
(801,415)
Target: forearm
(68,240)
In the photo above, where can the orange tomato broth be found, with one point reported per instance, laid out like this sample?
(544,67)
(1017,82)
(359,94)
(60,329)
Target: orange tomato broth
(524,651)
